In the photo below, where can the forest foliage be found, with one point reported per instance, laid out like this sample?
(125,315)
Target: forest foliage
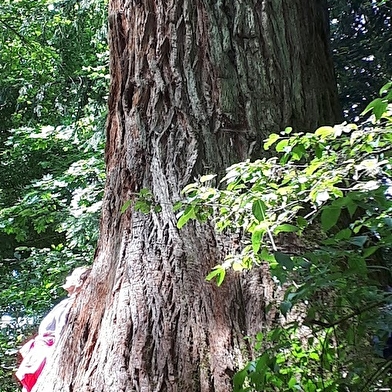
(318,212)
(53,91)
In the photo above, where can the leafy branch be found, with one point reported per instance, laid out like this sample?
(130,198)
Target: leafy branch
(319,214)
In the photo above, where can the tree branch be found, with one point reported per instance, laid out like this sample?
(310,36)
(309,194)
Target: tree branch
(20,36)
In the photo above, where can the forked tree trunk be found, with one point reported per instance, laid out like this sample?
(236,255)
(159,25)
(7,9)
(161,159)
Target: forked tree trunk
(195,86)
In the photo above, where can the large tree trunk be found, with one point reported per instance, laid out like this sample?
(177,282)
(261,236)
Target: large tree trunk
(195,86)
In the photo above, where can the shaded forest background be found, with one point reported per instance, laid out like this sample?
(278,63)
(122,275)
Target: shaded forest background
(53,92)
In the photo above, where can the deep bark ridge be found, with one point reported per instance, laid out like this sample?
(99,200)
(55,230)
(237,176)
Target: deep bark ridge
(195,86)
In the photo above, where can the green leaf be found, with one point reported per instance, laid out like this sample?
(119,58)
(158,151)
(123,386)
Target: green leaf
(258,210)
(218,273)
(301,222)
(314,355)
(285,228)
(358,265)
(359,241)
(325,131)
(285,307)
(188,214)
(239,379)
(384,89)
(344,234)
(143,206)
(329,217)
(177,206)
(352,207)
(298,152)
(369,251)
(265,255)
(282,145)
(125,206)
(208,177)
(271,140)
(256,240)
(378,106)
(284,260)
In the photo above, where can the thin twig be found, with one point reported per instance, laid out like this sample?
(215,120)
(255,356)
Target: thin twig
(324,325)
(20,36)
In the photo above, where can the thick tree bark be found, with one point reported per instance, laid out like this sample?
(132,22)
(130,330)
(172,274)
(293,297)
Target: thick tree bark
(195,86)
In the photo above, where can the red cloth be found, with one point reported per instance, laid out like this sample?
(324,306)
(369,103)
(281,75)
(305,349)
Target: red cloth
(34,353)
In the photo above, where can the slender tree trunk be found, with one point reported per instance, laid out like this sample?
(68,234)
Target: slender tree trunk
(195,86)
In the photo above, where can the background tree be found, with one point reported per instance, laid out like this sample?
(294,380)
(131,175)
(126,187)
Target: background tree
(362,47)
(195,86)
(53,91)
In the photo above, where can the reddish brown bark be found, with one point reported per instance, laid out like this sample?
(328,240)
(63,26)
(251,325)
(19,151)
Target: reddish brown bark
(195,86)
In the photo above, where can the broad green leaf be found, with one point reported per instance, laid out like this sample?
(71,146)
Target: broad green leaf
(359,240)
(301,222)
(271,140)
(258,209)
(143,206)
(369,251)
(357,264)
(314,355)
(298,152)
(388,221)
(265,255)
(188,214)
(325,131)
(344,234)
(378,106)
(352,207)
(284,260)
(239,379)
(329,217)
(314,165)
(282,145)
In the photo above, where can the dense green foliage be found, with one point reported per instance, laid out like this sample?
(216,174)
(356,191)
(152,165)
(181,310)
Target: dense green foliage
(53,87)
(319,213)
(362,47)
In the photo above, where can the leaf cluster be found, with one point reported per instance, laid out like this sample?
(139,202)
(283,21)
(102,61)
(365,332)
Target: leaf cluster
(319,213)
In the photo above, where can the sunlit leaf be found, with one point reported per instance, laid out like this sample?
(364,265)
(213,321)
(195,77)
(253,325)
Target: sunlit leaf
(258,209)
(285,228)
(188,214)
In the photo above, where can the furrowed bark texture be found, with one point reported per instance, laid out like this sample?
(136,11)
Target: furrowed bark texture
(195,86)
